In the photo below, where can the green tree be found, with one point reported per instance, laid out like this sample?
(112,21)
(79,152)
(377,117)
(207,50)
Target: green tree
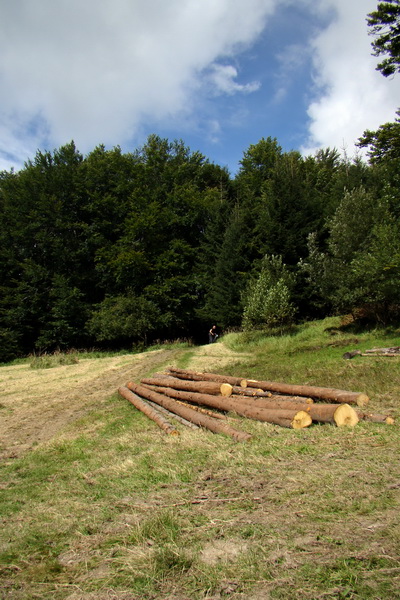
(384,143)
(268,299)
(385,27)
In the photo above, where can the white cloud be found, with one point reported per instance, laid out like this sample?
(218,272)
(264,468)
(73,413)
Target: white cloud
(94,71)
(223,80)
(350,95)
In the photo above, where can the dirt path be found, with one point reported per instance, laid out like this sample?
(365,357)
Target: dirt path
(36,404)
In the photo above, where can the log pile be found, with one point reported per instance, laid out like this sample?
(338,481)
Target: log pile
(205,399)
(387,352)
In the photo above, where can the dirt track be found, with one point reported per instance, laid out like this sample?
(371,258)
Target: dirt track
(36,404)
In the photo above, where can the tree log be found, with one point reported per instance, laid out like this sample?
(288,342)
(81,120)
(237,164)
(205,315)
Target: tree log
(203,387)
(375,418)
(343,414)
(332,394)
(290,417)
(198,418)
(193,376)
(149,411)
(210,413)
(171,415)
(322,393)
(258,393)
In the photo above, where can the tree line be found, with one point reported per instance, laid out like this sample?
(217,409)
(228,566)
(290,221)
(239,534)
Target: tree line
(113,249)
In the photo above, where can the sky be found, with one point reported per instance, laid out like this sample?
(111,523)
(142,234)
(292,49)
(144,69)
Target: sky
(217,74)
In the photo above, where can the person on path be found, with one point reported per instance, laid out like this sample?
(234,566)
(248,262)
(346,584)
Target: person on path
(212,334)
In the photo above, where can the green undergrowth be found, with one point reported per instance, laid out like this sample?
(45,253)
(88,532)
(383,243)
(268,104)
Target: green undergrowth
(113,508)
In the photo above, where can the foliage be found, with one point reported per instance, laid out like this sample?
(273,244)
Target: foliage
(384,143)
(359,268)
(385,27)
(268,301)
(123,319)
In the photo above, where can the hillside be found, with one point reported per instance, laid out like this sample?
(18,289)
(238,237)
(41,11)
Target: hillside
(97,503)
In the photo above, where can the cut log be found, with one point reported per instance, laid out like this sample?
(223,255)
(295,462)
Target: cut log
(194,416)
(375,418)
(322,393)
(171,415)
(202,387)
(149,411)
(258,393)
(341,415)
(225,389)
(193,376)
(290,417)
(210,413)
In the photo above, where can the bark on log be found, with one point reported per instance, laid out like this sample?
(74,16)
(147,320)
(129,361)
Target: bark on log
(375,418)
(210,413)
(292,418)
(342,414)
(149,411)
(210,423)
(257,393)
(171,415)
(322,393)
(339,414)
(194,376)
(203,387)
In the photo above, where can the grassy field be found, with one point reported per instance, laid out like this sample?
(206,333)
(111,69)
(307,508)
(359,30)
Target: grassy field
(97,503)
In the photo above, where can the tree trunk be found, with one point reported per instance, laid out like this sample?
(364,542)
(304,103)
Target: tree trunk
(247,408)
(193,376)
(203,387)
(332,394)
(149,411)
(375,418)
(198,418)
(343,414)
(171,415)
(210,413)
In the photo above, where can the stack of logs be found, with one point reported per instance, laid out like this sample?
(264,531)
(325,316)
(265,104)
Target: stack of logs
(183,395)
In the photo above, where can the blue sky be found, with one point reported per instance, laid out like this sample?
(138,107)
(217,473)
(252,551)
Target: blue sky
(218,74)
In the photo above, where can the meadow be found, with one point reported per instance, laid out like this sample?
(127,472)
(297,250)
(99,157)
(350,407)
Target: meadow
(97,503)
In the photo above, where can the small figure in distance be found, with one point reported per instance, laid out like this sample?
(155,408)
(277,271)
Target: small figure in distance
(212,334)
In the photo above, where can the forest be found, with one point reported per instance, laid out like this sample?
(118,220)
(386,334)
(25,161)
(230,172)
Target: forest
(115,250)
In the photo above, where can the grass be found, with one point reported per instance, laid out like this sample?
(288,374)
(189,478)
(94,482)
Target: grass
(112,508)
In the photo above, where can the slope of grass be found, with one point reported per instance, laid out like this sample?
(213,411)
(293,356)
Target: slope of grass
(112,508)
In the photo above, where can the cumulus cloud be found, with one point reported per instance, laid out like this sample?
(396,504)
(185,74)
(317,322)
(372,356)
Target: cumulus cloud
(95,71)
(349,95)
(223,79)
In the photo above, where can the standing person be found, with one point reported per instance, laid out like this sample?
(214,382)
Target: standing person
(212,334)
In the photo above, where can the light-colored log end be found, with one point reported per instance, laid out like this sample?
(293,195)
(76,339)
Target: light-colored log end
(345,415)
(389,421)
(226,389)
(362,400)
(301,419)
(243,383)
